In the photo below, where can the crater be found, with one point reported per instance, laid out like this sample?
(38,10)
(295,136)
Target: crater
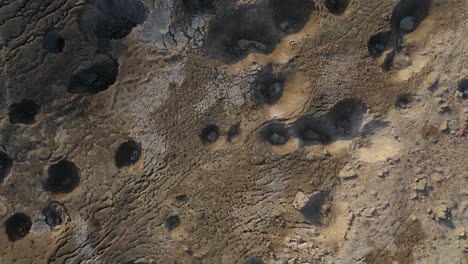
(404,100)
(53,41)
(336,7)
(379,43)
(275,133)
(317,208)
(6,164)
(292,15)
(268,86)
(312,130)
(346,117)
(17,226)
(408,15)
(23,112)
(127,154)
(62,177)
(172,222)
(209,134)
(105,20)
(54,213)
(95,77)
(255,28)
(199,6)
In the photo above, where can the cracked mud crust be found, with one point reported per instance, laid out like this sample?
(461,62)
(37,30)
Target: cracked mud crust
(247,131)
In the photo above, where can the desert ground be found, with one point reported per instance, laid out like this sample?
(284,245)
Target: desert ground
(234,131)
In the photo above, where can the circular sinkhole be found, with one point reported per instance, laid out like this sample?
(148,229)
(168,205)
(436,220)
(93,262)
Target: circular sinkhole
(127,154)
(463,87)
(336,7)
(311,130)
(54,214)
(275,134)
(95,77)
(17,226)
(247,29)
(62,177)
(209,134)
(379,43)
(292,15)
(105,20)
(172,222)
(408,14)
(268,86)
(53,41)
(404,100)
(23,112)
(346,117)
(6,163)
(199,6)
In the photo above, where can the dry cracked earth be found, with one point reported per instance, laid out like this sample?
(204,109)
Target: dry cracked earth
(224,131)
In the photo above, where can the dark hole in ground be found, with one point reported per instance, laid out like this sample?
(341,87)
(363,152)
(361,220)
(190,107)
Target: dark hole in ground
(336,7)
(104,20)
(23,112)
(54,214)
(209,134)
(379,43)
(346,117)
(94,78)
(53,41)
(255,28)
(172,222)
(5,165)
(404,100)
(463,87)
(233,131)
(199,6)
(317,208)
(245,30)
(268,86)
(312,130)
(275,133)
(254,260)
(17,226)
(183,198)
(62,177)
(291,16)
(127,154)
(408,14)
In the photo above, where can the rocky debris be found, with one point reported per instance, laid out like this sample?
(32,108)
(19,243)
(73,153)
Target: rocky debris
(461,234)
(432,81)
(382,173)
(437,177)
(368,212)
(420,184)
(444,108)
(300,200)
(440,212)
(444,127)
(348,173)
